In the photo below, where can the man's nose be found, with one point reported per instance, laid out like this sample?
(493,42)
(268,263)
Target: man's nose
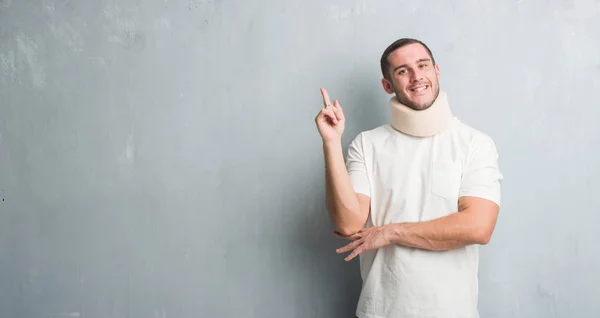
(416,75)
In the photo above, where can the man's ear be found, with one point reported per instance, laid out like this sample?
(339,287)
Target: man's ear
(387,86)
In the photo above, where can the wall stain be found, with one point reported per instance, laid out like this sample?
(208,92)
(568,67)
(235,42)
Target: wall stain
(29,50)
(5,4)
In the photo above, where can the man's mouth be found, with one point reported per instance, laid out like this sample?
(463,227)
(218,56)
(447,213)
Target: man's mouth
(419,88)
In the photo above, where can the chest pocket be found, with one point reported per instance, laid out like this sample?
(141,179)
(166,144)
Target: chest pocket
(446,178)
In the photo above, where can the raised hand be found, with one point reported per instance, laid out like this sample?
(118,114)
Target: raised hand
(330,120)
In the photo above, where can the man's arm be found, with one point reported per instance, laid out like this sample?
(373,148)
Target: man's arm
(473,224)
(347,209)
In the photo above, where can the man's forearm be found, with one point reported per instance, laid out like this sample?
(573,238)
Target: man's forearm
(342,201)
(453,231)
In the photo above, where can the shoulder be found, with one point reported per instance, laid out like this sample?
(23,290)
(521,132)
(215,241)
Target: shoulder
(473,137)
(372,135)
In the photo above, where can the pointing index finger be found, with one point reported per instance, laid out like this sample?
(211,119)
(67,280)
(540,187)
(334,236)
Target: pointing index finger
(326,100)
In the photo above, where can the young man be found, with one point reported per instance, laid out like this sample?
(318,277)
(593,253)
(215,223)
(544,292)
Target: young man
(415,197)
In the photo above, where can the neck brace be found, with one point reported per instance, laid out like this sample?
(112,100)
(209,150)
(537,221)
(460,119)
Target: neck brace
(421,123)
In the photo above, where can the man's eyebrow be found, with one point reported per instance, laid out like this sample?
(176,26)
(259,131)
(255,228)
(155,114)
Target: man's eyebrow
(418,61)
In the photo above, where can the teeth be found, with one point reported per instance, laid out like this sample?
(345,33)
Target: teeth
(419,89)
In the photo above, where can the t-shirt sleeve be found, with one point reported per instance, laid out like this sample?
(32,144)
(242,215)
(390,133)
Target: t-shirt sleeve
(482,177)
(357,170)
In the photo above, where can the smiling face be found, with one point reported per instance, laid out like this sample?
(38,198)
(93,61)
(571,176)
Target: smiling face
(412,76)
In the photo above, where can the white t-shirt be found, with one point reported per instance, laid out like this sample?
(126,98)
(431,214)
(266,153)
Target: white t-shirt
(411,179)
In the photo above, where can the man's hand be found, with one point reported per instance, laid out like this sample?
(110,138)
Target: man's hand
(330,120)
(364,240)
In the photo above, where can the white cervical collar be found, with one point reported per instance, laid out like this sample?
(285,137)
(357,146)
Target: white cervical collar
(421,123)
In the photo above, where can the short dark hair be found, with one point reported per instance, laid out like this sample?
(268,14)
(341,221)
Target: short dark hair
(385,64)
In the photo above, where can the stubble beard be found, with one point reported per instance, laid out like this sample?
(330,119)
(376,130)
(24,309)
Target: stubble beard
(402,98)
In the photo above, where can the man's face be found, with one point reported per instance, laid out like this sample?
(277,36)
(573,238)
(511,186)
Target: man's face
(414,78)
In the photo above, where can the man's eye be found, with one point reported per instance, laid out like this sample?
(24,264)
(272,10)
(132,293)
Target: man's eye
(402,72)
